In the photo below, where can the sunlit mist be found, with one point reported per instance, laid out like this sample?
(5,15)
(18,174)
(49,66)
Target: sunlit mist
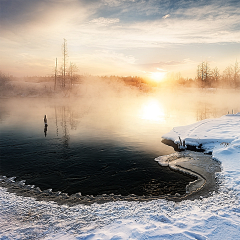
(157,76)
(152,110)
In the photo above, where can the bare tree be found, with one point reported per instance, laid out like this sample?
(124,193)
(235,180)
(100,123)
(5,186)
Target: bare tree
(228,75)
(208,73)
(235,74)
(72,69)
(204,74)
(66,73)
(65,55)
(215,76)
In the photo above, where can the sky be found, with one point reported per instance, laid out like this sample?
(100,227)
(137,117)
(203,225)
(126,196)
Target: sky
(118,37)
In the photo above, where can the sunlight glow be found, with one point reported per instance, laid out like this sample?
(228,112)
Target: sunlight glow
(152,110)
(157,76)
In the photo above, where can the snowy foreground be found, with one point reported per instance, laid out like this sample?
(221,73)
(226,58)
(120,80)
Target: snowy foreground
(215,217)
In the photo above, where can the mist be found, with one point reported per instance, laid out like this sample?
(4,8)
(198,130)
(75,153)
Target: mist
(109,107)
(100,128)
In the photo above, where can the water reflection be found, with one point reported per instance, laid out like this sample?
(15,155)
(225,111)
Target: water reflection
(152,110)
(45,125)
(45,130)
(94,145)
(205,110)
(65,117)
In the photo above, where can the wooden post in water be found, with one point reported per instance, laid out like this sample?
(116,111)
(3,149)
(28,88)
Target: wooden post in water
(180,141)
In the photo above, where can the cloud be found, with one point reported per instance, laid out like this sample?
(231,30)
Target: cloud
(115,3)
(162,66)
(116,32)
(132,26)
(108,62)
(166,16)
(105,21)
(202,24)
(25,13)
(206,25)
(115,57)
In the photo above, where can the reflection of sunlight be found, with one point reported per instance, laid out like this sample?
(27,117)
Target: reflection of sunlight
(152,110)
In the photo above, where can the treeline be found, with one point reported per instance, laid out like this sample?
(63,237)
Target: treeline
(5,84)
(131,81)
(207,77)
(25,86)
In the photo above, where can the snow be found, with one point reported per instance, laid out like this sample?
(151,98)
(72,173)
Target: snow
(221,136)
(214,217)
(208,132)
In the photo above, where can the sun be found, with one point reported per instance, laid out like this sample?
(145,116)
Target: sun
(157,76)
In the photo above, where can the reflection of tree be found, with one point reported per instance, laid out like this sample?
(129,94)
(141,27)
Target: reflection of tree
(65,117)
(64,125)
(4,111)
(205,111)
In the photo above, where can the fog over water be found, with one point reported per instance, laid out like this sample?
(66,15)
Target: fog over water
(102,137)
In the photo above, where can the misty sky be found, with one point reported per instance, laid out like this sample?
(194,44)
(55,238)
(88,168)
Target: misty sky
(118,37)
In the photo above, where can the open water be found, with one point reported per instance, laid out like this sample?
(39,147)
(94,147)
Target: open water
(98,146)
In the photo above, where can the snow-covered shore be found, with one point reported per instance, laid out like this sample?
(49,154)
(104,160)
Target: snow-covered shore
(214,217)
(221,136)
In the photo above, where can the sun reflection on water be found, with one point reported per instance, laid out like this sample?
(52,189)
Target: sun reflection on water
(152,110)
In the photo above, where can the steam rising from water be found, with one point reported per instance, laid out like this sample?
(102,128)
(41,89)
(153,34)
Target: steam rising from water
(113,107)
(104,114)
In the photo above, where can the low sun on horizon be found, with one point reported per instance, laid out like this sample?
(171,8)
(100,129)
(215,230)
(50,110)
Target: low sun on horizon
(157,76)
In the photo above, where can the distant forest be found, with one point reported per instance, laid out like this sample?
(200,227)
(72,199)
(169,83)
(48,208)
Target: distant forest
(210,78)
(205,78)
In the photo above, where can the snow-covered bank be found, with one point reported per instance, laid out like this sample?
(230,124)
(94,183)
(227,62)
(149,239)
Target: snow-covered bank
(208,133)
(215,217)
(220,136)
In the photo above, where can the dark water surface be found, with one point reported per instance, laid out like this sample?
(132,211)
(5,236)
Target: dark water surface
(96,146)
